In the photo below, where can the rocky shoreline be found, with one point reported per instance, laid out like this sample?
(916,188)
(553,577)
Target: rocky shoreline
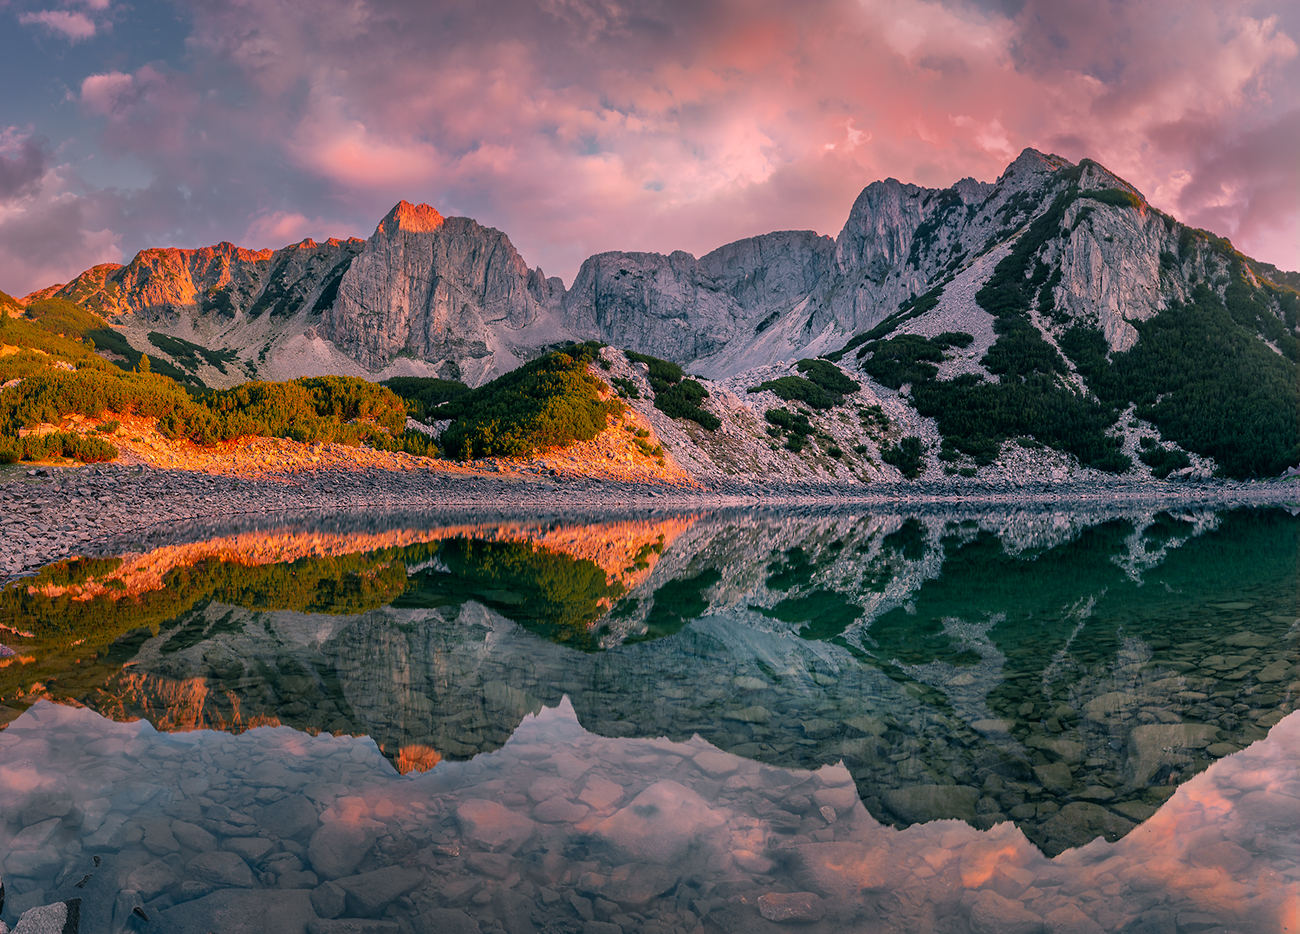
(49,513)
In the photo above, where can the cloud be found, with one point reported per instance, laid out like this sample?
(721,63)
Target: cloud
(72,26)
(23,160)
(585,125)
(51,231)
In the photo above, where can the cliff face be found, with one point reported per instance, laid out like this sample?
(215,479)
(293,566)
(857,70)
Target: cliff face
(443,289)
(432,295)
(163,284)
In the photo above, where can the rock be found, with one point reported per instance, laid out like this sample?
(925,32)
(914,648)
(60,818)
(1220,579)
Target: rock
(1154,745)
(791,906)
(337,848)
(35,835)
(1279,670)
(1270,809)
(250,848)
(570,766)
(918,804)
(445,921)
(841,869)
(1055,776)
(150,879)
(1081,822)
(430,286)
(298,879)
(219,867)
(993,914)
(353,926)
(600,793)
(842,798)
(34,864)
(1068,919)
(716,764)
(488,825)
(158,837)
(329,900)
(192,836)
(550,786)
(631,885)
(58,918)
(232,911)
(370,892)
(559,811)
(290,818)
(660,824)
(496,865)
(1224,855)
(600,927)
(515,912)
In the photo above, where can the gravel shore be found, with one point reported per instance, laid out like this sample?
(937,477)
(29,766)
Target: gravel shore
(49,513)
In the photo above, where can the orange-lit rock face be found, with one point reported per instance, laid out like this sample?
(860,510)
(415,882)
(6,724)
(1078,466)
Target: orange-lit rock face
(411,218)
(416,758)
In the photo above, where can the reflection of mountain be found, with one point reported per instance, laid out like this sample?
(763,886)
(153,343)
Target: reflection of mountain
(1049,683)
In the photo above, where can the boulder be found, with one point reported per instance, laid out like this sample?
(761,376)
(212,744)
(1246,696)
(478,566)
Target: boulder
(337,848)
(660,824)
(993,914)
(236,911)
(490,826)
(918,804)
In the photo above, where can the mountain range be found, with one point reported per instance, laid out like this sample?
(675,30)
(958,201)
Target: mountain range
(1054,305)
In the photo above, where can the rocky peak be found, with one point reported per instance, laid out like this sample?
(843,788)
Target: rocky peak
(1031,163)
(410,218)
(440,289)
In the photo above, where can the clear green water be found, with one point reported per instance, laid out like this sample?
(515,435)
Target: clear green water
(914,722)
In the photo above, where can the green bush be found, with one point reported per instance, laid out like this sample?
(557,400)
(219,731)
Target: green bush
(1115,197)
(908,456)
(1205,380)
(795,423)
(828,376)
(1163,461)
(676,396)
(798,389)
(546,403)
(424,393)
(663,373)
(682,400)
(626,387)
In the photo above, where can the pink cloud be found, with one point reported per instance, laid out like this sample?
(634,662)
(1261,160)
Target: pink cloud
(586,125)
(72,26)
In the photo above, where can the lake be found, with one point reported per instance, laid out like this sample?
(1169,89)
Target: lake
(848,720)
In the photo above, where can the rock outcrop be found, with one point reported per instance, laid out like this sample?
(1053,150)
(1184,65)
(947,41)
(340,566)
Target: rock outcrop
(443,289)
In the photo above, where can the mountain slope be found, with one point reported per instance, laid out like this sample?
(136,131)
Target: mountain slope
(1094,320)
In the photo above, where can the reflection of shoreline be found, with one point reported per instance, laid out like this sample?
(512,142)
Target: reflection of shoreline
(612,546)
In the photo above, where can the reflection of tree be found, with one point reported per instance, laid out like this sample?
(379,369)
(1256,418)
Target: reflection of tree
(547,592)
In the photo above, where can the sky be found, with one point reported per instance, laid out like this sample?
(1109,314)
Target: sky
(579,126)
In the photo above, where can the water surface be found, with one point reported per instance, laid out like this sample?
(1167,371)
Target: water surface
(874,721)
